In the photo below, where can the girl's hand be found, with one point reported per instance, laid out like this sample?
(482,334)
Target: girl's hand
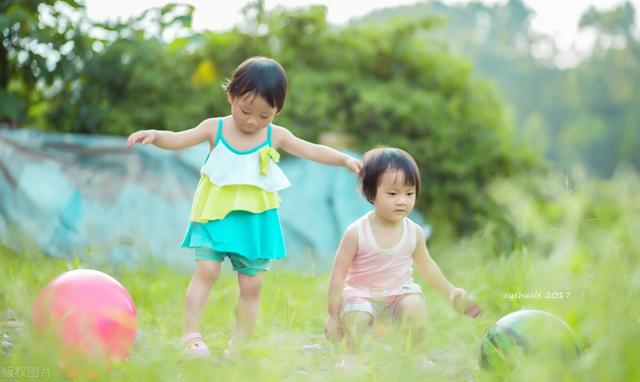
(143,137)
(333,328)
(463,304)
(354,165)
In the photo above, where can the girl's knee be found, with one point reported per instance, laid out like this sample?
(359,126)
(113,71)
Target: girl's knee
(357,320)
(207,271)
(250,286)
(412,308)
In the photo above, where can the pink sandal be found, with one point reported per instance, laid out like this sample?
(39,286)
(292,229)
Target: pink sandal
(194,347)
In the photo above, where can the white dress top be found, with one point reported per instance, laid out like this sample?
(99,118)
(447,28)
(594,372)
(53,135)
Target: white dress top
(227,166)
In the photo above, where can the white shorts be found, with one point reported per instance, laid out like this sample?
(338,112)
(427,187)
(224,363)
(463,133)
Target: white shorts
(379,305)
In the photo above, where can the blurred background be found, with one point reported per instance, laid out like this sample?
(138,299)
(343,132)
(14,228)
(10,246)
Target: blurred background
(477,92)
(523,116)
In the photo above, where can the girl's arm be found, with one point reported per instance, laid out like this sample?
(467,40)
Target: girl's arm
(344,257)
(427,268)
(431,273)
(170,140)
(285,139)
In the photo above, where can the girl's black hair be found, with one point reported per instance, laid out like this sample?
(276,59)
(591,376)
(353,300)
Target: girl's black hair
(260,76)
(377,161)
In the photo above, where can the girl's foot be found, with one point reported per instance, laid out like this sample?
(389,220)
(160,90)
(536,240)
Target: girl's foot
(352,362)
(423,364)
(193,346)
(230,352)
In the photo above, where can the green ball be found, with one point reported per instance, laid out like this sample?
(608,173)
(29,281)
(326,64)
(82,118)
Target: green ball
(525,336)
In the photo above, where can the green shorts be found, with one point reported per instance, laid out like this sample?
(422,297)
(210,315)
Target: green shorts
(241,264)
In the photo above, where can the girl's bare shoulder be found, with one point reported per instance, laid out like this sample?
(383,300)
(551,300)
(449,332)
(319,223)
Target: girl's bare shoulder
(209,127)
(279,134)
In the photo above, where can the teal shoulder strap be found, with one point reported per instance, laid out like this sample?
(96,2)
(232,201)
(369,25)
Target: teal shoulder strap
(219,134)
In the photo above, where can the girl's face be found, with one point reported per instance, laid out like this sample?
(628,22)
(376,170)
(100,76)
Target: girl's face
(251,113)
(394,199)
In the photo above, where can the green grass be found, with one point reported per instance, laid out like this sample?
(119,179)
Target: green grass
(581,242)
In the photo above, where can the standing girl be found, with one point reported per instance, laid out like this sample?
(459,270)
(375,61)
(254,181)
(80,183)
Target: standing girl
(235,208)
(373,267)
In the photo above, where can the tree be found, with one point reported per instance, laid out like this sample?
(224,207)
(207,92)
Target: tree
(43,45)
(138,80)
(390,84)
(618,22)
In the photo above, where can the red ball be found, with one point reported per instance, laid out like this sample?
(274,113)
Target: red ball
(91,317)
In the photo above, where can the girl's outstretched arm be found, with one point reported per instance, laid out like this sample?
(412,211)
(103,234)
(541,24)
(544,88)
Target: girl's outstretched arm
(170,140)
(344,257)
(285,139)
(431,273)
(427,267)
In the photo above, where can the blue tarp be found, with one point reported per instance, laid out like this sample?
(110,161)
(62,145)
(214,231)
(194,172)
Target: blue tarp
(71,195)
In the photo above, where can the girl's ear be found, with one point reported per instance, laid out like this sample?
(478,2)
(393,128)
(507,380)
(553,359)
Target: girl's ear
(229,98)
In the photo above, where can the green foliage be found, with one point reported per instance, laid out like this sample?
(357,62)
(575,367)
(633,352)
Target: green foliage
(586,114)
(580,215)
(137,81)
(600,127)
(42,44)
(618,21)
(391,85)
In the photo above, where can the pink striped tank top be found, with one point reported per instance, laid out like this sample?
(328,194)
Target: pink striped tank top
(377,272)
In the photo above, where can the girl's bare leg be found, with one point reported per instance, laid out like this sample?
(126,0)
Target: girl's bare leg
(204,276)
(247,305)
(357,325)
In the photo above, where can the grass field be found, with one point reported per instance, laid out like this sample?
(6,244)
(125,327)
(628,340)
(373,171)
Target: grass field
(578,246)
